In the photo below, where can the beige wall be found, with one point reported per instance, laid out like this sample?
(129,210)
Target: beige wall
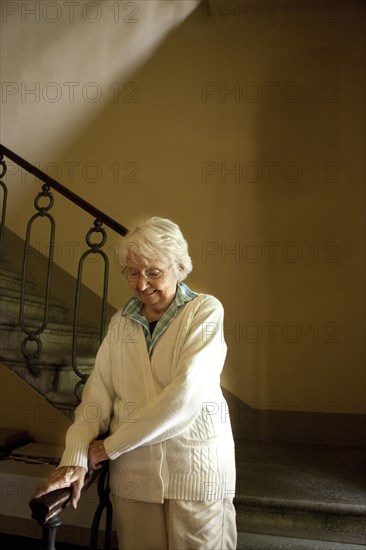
(277,96)
(24,408)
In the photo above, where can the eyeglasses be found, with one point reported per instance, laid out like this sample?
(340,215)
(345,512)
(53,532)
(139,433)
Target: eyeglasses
(150,274)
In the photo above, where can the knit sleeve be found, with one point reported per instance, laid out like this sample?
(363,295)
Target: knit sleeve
(199,367)
(92,416)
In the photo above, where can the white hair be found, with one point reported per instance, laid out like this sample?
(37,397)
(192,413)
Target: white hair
(157,239)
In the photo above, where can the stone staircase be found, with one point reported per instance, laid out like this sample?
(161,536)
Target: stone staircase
(58,379)
(300,497)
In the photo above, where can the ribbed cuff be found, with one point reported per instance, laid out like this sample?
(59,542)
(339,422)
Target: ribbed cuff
(77,455)
(115,446)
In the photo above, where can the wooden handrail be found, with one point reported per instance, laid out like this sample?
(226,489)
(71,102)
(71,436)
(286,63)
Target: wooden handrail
(57,186)
(51,504)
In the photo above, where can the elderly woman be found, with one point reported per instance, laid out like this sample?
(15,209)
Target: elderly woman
(156,388)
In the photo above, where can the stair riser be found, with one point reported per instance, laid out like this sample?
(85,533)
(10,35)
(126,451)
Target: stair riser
(12,281)
(67,379)
(43,384)
(10,310)
(253,541)
(289,523)
(55,378)
(49,381)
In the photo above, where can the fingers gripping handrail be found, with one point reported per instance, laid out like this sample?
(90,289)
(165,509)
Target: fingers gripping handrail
(47,508)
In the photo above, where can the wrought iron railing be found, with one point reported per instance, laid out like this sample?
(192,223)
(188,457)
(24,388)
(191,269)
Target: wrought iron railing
(46,509)
(32,346)
(4,203)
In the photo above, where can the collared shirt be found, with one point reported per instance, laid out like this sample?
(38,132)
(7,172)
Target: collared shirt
(134,310)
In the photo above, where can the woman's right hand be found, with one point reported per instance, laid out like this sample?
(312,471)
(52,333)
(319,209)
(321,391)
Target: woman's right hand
(66,476)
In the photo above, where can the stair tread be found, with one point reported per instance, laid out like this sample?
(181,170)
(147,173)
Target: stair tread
(55,359)
(66,327)
(13,295)
(5,274)
(301,477)
(254,541)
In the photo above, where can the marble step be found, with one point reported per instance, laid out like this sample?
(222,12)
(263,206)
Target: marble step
(254,541)
(57,379)
(56,338)
(321,525)
(301,491)
(10,291)
(13,281)
(34,308)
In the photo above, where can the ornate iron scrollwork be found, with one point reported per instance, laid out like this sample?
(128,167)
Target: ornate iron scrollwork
(4,169)
(32,345)
(94,248)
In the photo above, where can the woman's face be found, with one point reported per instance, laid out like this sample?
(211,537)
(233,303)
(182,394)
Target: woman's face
(155,294)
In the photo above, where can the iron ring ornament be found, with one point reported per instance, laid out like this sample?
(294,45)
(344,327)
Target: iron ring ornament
(44,193)
(94,247)
(31,356)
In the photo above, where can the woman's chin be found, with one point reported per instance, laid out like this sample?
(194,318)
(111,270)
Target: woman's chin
(152,298)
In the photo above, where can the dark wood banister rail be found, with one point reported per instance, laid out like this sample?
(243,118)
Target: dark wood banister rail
(95,212)
(51,504)
(46,511)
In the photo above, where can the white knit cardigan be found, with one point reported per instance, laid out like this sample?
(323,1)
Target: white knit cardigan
(170,434)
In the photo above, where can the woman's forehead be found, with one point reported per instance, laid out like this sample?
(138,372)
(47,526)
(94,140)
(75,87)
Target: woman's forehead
(140,262)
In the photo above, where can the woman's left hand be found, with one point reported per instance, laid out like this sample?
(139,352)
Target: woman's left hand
(96,454)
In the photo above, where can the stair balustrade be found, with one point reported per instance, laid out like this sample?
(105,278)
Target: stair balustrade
(46,509)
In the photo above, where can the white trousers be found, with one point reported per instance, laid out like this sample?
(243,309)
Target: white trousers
(175,525)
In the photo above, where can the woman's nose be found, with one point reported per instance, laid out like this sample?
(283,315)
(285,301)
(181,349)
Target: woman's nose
(142,283)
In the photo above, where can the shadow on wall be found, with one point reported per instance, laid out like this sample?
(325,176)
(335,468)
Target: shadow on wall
(235,129)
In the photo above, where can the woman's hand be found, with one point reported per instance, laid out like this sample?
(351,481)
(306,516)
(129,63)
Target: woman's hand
(96,454)
(66,476)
